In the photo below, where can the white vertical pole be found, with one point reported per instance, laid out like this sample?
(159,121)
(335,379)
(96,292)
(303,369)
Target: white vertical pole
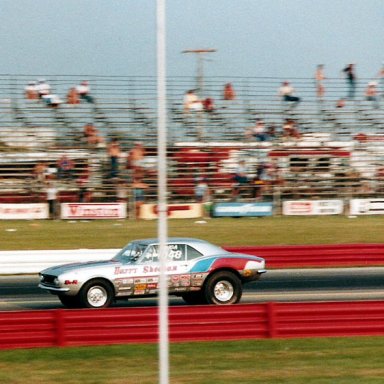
(162,189)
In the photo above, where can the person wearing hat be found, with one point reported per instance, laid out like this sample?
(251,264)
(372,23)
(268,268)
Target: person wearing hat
(43,88)
(83,91)
(371,94)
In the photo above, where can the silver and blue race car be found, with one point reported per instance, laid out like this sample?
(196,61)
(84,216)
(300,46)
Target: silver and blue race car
(199,272)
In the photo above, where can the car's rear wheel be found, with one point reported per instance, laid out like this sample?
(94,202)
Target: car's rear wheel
(223,288)
(96,294)
(194,298)
(70,301)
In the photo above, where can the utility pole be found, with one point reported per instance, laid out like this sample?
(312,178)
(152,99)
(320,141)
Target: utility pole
(200,66)
(199,53)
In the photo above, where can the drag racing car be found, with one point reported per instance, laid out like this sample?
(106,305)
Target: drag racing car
(198,271)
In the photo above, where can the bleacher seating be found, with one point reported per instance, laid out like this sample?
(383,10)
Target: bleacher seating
(125,108)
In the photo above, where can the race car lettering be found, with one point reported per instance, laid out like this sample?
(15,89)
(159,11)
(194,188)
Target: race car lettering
(120,271)
(173,253)
(150,269)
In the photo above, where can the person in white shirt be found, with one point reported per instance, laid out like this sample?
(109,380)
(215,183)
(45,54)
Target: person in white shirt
(286,92)
(51,192)
(192,102)
(43,88)
(83,90)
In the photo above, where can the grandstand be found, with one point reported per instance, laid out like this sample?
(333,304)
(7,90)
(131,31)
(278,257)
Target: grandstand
(339,152)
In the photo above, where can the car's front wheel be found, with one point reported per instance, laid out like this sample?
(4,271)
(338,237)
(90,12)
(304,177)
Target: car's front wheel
(223,288)
(96,294)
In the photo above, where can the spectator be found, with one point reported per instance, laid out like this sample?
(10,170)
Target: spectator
(51,100)
(83,91)
(241,178)
(229,92)
(271,131)
(286,92)
(258,131)
(65,168)
(51,195)
(135,160)
(319,78)
(349,72)
(40,172)
(340,103)
(290,129)
(43,88)
(192,102)
(201,190)
(371,94)
(208,104)
(114,153)
(30,91)
(257,187)
(73,96)
(92,135)
(83,184)
(138,188)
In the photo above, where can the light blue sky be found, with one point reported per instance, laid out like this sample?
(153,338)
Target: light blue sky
(280,38)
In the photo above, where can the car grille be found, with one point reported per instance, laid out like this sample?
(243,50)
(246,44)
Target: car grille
(48,279)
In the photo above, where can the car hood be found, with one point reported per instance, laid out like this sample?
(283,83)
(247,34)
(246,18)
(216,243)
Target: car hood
(64,268)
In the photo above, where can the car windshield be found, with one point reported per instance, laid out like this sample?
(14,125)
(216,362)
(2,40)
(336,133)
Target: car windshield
(131,253)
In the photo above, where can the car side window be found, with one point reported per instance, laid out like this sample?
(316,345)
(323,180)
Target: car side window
(192,253)
(151,254)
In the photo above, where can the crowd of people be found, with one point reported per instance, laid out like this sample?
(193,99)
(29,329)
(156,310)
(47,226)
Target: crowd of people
(124,172)
(136,181)
(42,90)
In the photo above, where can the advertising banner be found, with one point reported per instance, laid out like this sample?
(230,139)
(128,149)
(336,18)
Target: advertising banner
(24,211)
(242,209)
(175,211)
(93,211)
(367,207)
(315,207)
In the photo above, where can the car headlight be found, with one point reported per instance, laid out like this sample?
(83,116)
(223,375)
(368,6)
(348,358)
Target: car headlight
(56,281)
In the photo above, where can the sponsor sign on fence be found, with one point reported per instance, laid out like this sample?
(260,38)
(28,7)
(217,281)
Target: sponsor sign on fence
(316,207)
(24,211)
(93,211)
(367,206)
(175,211)
(242,209)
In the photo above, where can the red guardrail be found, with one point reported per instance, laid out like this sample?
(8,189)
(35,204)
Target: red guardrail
(28,329)
(301,256)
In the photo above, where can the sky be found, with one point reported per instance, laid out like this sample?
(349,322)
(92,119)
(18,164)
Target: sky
(274,38)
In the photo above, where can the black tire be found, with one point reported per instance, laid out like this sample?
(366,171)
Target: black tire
(96,294)
(70,301)
(194,298)
(223,288)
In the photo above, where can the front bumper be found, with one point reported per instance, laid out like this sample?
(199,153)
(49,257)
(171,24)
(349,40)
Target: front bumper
(53,289)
